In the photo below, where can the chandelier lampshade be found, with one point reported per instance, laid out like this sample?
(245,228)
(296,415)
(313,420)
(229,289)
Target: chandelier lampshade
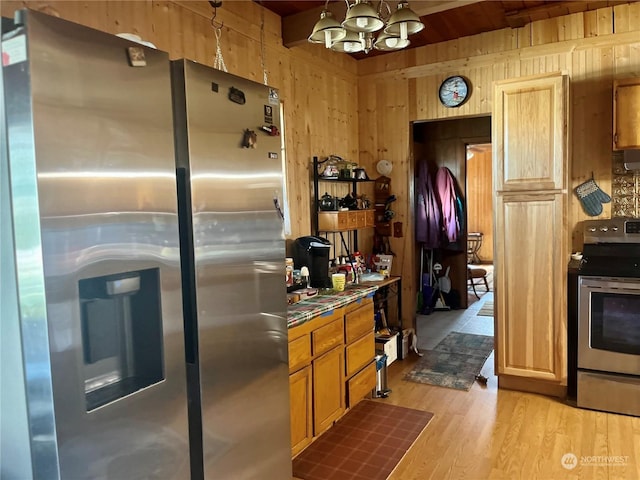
(362,17)
(327,30)
(403,22)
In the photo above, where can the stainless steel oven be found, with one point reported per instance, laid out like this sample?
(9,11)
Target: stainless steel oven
(609,317)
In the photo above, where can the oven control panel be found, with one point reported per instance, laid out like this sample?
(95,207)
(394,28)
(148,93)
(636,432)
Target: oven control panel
(632,226)
(615,230)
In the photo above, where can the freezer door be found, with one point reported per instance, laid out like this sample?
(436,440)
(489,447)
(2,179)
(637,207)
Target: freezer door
(236,178)
(94,207)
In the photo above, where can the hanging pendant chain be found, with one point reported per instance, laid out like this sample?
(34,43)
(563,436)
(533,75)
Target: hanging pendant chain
(262,53)
(218,62)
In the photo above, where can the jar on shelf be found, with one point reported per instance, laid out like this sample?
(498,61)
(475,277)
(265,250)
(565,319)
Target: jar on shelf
(330,168)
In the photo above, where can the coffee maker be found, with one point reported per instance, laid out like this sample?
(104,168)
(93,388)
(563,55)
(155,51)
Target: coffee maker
(313,253)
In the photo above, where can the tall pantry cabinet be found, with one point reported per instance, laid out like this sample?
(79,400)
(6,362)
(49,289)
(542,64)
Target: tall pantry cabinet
(530,165)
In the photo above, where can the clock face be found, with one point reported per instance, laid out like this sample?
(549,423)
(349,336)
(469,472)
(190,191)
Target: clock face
(454,91)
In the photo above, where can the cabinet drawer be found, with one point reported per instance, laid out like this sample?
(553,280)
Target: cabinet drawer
(299,352)
(358,322)
(360,353)
(325,338)
(361,302)
(369,218)
(360,218)
(333,221)
(361,384)
(352,219)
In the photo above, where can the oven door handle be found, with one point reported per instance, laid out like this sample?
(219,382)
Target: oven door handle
(598,283)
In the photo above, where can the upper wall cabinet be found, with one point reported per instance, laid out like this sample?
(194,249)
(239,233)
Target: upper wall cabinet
(527,162)
(626,113)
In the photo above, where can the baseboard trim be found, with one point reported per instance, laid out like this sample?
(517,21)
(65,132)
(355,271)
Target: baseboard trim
(531,385)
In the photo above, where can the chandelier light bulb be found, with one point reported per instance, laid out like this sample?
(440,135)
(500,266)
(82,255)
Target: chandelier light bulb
(403,31)
(350,47)
(327,39)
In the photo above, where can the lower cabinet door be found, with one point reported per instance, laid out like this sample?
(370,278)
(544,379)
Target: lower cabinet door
(328,389)
(300,390)
(530,310)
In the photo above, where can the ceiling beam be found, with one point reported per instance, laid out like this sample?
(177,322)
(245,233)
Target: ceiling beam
(296,28)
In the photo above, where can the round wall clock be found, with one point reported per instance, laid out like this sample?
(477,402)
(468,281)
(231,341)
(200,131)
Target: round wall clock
(454,91)
(384,167)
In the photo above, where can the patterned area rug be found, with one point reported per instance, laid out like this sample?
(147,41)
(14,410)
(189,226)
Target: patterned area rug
(366,444)
(455,361)
(486,310)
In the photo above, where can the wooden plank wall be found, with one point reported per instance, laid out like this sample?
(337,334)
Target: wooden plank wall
(593,47)
(480,198)
(318,87)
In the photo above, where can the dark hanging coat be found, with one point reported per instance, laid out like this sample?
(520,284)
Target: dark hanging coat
(428,226)
(447,195)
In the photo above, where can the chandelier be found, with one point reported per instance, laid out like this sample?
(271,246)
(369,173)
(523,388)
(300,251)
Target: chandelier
(356,32)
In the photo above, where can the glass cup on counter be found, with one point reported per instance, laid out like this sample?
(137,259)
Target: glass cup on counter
(338,280)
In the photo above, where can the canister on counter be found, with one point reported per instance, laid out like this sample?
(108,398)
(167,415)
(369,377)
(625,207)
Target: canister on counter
(346,269)
(289,271)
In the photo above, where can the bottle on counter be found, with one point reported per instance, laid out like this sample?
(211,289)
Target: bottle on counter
(289,271)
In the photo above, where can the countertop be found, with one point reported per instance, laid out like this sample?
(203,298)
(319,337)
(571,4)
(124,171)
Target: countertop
(325,301)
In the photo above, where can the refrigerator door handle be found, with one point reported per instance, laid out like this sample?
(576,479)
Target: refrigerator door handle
(276,203)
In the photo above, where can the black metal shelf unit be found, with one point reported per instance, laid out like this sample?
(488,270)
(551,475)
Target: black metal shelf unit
(317,178)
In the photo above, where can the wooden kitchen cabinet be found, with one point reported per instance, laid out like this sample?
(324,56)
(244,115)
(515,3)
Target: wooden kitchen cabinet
(316,376)
(529,133)
(531,233)
(626,113)
(530,286)
(300,390)
(331,368)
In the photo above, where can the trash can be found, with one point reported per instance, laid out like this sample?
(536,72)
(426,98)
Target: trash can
(381,390)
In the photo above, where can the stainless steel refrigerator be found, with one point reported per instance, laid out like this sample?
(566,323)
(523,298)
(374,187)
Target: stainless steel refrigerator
(94,355)
(230,191)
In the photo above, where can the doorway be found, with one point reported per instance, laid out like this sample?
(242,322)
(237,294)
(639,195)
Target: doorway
(479,188)
(443,144)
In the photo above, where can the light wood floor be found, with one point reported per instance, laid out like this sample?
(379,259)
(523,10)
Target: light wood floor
(487,433)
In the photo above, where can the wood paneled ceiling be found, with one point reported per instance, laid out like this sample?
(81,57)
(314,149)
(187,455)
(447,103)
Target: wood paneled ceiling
(444,19)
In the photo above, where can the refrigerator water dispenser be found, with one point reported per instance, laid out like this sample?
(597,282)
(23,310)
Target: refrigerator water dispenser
(121,335)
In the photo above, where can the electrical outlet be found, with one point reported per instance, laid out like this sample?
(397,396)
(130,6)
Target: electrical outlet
(397,229)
